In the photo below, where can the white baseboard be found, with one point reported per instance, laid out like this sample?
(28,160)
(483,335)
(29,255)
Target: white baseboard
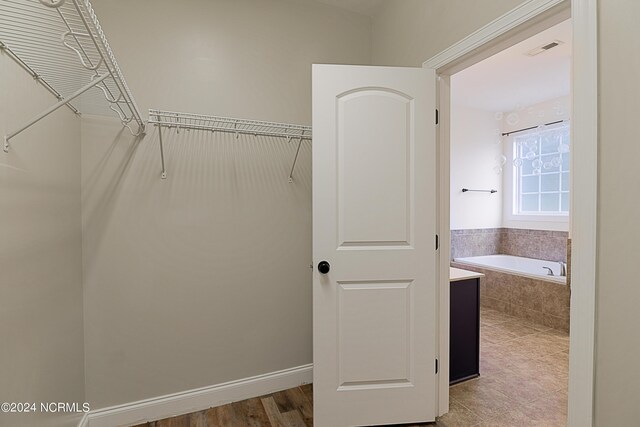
(198,399)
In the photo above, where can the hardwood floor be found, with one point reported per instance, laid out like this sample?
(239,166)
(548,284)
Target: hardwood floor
(288,408)
(524,371)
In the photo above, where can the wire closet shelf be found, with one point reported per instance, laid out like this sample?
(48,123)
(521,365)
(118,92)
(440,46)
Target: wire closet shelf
(62,45)
(170,119)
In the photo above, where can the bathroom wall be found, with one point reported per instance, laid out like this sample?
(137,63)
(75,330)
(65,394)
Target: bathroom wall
(475,148)
(41,354)
(481,223)
(204,277)
(484,224)
(526,116)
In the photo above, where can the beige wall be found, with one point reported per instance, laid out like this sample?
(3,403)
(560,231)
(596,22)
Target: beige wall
(204,277)
(618,342)
(401,38)
(41,352)
(238,58)
(408,32)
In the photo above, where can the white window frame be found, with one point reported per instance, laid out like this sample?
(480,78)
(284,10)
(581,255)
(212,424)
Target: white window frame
(512,219)
(517,183)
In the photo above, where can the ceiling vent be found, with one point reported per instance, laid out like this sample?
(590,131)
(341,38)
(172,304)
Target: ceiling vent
(545,47)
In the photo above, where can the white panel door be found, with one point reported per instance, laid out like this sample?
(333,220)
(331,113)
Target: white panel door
(374,223)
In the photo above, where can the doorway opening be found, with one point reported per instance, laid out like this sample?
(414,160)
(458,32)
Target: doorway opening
(510,173)
(531,18)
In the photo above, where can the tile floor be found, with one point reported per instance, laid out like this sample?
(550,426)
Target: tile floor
(523,382)
(524,370)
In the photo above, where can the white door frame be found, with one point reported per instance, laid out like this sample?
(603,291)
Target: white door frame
(529,18)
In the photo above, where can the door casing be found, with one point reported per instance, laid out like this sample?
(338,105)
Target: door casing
(529,18)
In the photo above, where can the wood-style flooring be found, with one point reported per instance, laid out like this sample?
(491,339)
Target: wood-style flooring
(524,372)
(288,408)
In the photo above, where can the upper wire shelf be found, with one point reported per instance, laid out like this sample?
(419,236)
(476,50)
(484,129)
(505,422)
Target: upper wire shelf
(171,119)
(62,45)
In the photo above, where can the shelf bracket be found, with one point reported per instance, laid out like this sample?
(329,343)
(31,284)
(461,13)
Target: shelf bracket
(52,109)
(295,159)
(164,172)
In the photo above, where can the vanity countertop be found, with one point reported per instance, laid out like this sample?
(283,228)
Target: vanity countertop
(457,274)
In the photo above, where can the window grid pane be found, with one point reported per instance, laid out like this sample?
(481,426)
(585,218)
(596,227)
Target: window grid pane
(542,177)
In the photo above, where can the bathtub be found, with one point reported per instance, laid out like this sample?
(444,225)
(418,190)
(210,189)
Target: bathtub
(528,267)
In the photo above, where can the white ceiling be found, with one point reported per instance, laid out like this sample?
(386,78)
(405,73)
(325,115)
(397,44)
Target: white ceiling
(512,79)
(364,7)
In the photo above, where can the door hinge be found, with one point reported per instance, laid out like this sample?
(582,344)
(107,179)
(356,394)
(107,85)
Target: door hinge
(437,116)
(437,242)
(436,366)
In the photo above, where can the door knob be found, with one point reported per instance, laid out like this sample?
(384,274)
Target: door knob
(324,267)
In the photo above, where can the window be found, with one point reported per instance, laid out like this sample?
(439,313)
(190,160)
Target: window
(541,171)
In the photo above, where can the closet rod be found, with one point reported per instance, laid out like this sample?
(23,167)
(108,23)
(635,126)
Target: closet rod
(533,127)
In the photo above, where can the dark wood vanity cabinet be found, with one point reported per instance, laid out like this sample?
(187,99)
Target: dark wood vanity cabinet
(464,338)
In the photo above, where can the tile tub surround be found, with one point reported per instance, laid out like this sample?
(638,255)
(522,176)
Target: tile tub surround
(476,242)
(538,301)
(539,244)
